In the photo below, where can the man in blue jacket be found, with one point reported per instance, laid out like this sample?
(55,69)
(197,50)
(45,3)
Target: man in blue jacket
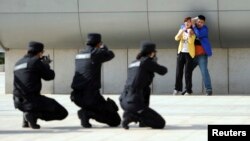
(203,50)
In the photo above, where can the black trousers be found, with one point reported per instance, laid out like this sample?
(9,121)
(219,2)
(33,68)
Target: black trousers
(136,107)
(41,107)
(147,117)
(91,101)
(146,95)
(184,62)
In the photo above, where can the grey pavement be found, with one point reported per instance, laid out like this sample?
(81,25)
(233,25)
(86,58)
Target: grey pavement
(187,119)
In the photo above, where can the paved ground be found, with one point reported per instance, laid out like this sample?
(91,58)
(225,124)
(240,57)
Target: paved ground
(187,119)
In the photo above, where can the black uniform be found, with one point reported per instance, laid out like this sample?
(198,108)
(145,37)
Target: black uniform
(86,84)
(135,97)
(28,73)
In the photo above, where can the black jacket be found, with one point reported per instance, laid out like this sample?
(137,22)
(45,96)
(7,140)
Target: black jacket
(140,76)
(88,68)
(28,73)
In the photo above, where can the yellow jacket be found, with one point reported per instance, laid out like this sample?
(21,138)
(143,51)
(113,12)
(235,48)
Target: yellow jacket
(191,47)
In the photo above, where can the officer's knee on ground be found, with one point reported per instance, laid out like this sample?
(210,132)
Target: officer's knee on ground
(115,121)
(160,124)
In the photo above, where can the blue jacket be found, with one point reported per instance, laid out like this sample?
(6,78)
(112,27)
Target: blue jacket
(202,34)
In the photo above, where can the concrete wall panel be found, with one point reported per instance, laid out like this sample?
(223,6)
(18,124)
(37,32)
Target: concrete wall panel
(234,5)
(112,5)
(218,68)
(239,68)
(115,72)
(233,27)
(55,30)
(65,69)
(119,30)
(33,6)
(124,23)
(182,5)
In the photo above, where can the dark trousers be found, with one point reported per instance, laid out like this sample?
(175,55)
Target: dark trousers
(147,117)
(184,62)
(94,104)
(146,94)
(41,107)
(136,107)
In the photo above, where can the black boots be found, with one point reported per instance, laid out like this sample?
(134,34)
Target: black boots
(128,118)
(31,120)
(84,117)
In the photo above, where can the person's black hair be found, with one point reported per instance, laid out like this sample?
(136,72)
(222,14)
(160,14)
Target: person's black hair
(139,55)
(92,44)
(34,48)
(147,47)
(33,52)
(201,17)
(94,39)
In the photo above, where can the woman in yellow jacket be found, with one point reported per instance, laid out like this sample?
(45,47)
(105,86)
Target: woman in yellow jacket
(186,53)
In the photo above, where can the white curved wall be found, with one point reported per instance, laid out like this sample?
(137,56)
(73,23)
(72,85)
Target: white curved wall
(62,25)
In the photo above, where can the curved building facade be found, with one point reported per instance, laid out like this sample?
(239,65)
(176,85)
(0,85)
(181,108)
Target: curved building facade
(62,25)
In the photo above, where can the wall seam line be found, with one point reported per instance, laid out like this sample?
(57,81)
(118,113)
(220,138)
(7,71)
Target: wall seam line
(150,38)
(149,33)
(219,30)
(79,21)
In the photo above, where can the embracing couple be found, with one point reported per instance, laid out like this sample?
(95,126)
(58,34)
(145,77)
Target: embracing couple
(194,49)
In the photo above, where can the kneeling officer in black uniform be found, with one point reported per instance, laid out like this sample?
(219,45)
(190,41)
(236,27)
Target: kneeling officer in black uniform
(28,73)
(87,82)
(135,97)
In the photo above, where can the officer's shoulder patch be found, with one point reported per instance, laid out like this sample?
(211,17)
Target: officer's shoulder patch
(83,56)
(21,66)
(134,64)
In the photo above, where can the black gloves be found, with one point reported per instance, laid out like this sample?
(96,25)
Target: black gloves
(46,59)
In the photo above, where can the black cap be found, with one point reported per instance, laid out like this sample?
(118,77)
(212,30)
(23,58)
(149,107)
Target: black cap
(147,47)
(35,46)
(94,38)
